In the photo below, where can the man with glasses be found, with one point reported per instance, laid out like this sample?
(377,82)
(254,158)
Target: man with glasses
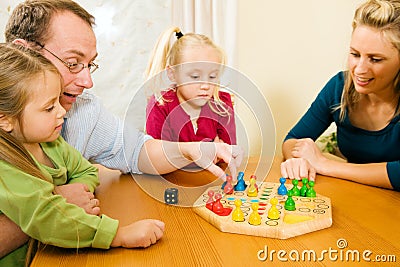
(62,31)
(73,67)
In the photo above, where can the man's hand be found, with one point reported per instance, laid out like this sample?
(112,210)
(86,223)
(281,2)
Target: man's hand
(159,157)
(79,195)
(209,152)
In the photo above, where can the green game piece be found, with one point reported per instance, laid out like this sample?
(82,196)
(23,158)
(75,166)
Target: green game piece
(289,203)
(295,190)
(304,188)
(311,192)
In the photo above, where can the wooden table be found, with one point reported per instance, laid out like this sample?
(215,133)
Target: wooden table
(367,218)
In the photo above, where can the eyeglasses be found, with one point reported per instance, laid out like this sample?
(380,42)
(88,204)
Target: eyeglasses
(73,67)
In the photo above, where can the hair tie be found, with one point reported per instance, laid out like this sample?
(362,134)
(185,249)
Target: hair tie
(178,35)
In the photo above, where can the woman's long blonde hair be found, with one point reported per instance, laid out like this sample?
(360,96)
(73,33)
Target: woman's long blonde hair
(164,54)
(383,15)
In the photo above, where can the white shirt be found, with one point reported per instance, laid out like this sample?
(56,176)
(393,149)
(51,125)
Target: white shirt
(100,136)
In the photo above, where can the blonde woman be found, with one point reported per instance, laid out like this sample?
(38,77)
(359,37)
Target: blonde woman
(363,102)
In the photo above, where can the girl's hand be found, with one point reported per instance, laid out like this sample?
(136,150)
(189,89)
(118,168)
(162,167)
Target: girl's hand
(142,233)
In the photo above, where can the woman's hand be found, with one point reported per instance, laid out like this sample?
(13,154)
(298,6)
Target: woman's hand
(298,168)
(307,149)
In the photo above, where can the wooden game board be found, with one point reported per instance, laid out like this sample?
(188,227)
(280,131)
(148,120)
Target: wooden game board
(311,214)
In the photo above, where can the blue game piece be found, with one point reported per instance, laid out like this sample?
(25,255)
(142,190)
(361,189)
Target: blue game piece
(240,185)
(282,190)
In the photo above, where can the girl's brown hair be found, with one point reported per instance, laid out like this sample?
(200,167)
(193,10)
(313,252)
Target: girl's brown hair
(19,66)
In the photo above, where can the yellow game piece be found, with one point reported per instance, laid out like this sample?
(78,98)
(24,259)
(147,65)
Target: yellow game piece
(252,191)
(255,218)
(273,212)
(237,214)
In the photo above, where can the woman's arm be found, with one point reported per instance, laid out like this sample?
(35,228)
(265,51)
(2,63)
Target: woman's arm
(287,148)
(374,174)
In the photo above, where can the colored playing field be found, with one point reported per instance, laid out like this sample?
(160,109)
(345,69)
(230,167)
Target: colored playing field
(309,214)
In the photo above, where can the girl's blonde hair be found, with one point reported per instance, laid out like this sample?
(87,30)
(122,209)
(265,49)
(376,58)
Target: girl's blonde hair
(164,54)
(383,15)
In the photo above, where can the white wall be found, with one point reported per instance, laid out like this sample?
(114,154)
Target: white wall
(290,49)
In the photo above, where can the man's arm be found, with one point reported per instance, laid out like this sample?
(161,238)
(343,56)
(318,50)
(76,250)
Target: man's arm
(11,236)
(159,157)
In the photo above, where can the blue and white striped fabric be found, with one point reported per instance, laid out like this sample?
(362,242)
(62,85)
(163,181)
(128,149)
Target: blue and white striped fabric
(102,137)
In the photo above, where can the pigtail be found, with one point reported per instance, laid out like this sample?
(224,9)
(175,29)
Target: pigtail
(160,53)
(159,60)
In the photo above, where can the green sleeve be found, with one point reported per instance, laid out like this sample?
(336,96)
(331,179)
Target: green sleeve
(79,169)
(30,203)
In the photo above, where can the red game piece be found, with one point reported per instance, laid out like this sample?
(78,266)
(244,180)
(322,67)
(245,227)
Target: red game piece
(228,189)
(210,201)
(217,206)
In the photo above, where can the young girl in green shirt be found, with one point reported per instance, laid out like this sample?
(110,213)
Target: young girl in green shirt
(34,159)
